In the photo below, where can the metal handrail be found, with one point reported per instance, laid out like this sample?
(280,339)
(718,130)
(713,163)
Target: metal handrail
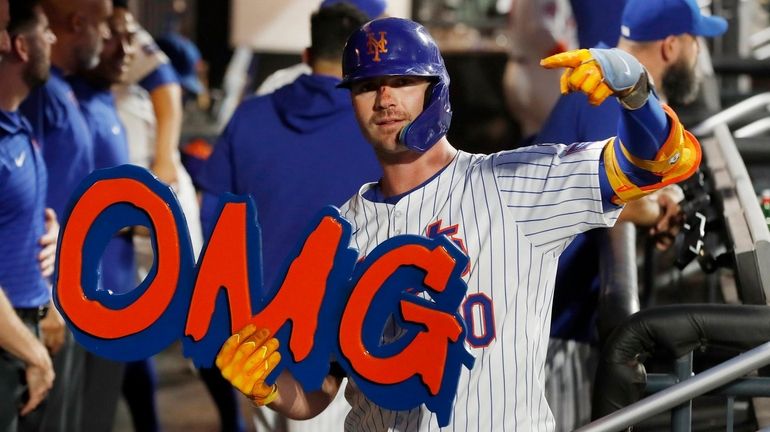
(759,38)
(753,129)
(733,113)
(683,392)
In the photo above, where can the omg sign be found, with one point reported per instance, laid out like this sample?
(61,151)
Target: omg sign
(329,305)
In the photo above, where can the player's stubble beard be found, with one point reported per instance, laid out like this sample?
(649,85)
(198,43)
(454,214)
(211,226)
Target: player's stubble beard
(87,55)
(38,70)
(387,145)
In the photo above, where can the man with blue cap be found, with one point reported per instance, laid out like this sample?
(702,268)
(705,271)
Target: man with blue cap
(663,36)
(185,58)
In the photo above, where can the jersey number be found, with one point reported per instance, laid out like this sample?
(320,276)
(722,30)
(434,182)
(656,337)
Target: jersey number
(480,317)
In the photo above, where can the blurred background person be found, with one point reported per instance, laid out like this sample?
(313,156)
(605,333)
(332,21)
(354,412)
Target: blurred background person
(26,369)
(60,129)
(186,62)
(294,151)
(154,73)
(371,8)
(118,272)
(149,102)
(144,103)
(538,29)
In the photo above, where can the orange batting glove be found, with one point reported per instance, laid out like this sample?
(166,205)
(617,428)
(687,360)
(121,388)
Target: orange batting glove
(246,359)
(601,73)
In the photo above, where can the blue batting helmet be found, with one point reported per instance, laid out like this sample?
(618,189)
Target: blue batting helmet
(397,47)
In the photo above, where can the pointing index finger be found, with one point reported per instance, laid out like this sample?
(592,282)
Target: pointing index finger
(570,59)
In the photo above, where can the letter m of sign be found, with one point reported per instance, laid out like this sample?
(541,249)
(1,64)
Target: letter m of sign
(375,46)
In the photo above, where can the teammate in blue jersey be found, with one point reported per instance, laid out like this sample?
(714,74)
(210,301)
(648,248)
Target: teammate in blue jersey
(92,89)
(662,36)
(294,150)
(52,109)
(515,211)
(104,378)
(26,371)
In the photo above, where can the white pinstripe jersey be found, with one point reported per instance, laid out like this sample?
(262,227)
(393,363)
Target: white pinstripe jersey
(514,212)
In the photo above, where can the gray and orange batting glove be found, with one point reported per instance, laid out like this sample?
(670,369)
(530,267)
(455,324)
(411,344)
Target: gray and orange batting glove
(601,73)
(246,359)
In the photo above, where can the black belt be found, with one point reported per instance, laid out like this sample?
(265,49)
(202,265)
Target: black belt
(33,314)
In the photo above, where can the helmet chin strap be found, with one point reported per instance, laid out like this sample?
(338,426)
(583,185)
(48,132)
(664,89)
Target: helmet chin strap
(401,138)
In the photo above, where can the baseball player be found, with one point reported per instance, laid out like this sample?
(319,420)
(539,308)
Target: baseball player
(514,212)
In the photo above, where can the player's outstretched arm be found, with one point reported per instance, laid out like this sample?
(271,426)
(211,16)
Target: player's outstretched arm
(249,356)
(653,149)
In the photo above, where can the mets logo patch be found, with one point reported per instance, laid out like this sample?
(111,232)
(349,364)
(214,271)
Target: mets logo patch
(376,46)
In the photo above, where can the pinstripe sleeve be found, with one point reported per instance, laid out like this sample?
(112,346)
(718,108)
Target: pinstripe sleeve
(552,191)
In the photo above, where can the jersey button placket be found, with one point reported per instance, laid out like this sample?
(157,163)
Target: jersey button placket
(395,221)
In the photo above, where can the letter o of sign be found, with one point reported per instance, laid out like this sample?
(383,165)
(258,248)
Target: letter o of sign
(91,316)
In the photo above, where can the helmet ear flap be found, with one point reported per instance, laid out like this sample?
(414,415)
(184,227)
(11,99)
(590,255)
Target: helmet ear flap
(429,92)
(432,123)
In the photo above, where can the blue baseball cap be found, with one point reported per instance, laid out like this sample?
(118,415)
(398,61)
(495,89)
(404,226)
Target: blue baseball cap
(649,20)
(371,8)
(184,57)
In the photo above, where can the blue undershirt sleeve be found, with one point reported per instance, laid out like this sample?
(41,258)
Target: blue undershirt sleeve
(163,74)
(643,132)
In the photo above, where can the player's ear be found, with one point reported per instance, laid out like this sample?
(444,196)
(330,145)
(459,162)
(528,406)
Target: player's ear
(669,49)
(76,22)
(20,47)
(428,92)
(307,56)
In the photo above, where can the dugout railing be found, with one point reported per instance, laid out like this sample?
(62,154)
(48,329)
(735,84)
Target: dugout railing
(679,331)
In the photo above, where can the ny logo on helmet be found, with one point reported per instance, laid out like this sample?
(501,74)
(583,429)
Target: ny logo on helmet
(374,46)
